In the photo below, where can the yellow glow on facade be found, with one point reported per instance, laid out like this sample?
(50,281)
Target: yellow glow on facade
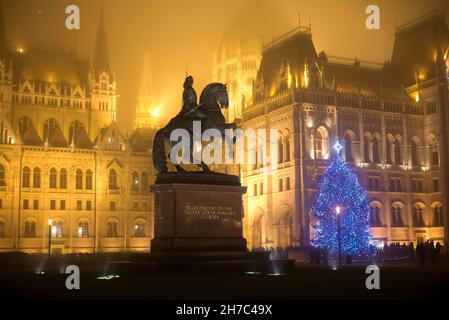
(306,75)
(309,123)
(417,97)
(155,112)
(289,77)
(273,90)
(20,50)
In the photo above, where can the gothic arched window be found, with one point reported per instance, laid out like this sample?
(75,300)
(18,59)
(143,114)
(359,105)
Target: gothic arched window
(56,229)
(418,216)
(414,152)
(437,220)
(135,181)
(287,147)
(36,177)
(434,155)
(113,180)
(79,179)
(348,147)
(367,148)
(53,178)
(26,177)
(2,176)
(89,179)
(374,218)
(63,179)
(83,229)
(321,143)
(139,229)
(377,151)
(30,229)
(389,150)
(112,229)
(318,145)
(396,216)
(398,152)
(280,148)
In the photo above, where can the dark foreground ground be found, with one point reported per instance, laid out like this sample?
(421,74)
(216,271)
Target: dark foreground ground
(397,281)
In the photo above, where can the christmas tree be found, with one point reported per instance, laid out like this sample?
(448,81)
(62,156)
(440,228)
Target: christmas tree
(341,191)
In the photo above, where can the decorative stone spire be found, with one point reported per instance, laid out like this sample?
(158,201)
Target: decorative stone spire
(147,113)
(101,57)
(145,84)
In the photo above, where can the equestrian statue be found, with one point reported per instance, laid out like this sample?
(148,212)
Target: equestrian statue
(213,98)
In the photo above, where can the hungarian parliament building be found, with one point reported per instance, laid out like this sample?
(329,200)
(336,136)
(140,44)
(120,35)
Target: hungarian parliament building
(391,119)
(64,159)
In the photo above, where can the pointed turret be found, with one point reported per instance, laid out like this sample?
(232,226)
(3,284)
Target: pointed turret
(145,84)
(147,114)
(102,84)
(101,57)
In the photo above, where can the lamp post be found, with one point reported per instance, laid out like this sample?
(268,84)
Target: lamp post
(338,211)
(50,222)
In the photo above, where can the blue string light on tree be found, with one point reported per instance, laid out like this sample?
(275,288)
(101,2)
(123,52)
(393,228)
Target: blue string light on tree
(340,187)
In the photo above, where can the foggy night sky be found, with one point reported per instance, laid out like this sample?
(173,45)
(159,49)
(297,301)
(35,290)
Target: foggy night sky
(185,33)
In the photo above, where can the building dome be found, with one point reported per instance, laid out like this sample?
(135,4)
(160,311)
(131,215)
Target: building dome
(239,55)
(260,18)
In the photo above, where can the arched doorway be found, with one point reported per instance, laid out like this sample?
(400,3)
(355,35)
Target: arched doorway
(257,235)
(284,226)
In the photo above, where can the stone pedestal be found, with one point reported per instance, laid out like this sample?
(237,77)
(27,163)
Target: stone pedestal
(198,211)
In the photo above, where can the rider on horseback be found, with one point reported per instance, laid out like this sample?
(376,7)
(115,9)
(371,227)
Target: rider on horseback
(190,108)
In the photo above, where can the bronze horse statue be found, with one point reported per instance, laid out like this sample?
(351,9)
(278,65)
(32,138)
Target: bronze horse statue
(213,98)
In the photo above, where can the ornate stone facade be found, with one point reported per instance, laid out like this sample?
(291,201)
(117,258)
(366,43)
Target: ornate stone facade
(389,118)
(63,157)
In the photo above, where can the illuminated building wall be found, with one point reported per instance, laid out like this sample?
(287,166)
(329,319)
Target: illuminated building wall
(392,139)
(63,157)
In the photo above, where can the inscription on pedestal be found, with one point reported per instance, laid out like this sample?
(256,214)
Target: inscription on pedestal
(208,212)
(198,217)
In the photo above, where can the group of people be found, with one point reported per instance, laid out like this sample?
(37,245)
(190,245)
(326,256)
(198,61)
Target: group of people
(427,253)
(318,255)
(275,253)
(424,253)
(392,251)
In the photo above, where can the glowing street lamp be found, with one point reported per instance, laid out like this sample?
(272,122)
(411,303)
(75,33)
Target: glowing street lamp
(337,212)
(50,223)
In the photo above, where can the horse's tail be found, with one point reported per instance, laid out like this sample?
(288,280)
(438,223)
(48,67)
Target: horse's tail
(159,157)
